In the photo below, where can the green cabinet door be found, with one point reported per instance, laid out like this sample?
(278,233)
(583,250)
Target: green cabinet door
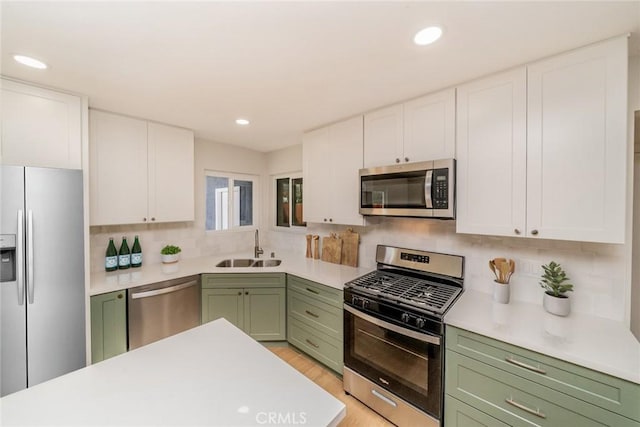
(227,303)
(108,325)
(265,313)
(458,414)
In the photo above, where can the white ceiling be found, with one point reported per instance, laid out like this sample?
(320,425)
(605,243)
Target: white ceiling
(286,66)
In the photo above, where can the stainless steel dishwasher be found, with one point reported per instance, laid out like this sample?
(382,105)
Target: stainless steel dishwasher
(162,309)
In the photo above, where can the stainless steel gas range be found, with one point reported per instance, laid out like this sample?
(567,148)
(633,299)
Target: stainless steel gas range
(393,333)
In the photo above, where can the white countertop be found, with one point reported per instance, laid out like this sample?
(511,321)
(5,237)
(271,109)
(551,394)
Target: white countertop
(211,375)
(334,275)
(596,343)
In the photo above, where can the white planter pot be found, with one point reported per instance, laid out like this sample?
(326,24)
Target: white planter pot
(560,306)
(170,259)
(501,292)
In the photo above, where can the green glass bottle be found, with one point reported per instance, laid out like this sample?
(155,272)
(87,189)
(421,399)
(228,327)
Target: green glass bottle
(111,257)
(124,255)
(136,253)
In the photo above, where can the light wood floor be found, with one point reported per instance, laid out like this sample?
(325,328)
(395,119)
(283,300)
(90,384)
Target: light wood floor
(357,413)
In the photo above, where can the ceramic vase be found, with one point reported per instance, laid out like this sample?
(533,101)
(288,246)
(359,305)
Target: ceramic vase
(560,306)
(501,292)
(170,259)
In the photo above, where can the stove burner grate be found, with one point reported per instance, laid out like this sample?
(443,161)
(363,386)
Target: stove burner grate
(417,292)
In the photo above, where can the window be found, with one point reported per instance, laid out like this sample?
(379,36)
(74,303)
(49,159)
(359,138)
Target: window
(229,201)
(289,202)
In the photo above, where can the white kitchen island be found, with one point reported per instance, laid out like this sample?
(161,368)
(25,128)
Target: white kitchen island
(212,375)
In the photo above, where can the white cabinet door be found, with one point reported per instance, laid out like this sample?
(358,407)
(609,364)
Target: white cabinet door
(40,127)
(577,144)
(346,149)
(317,174)
(491,155)
(383,136)
(429,127)
(331,160)
(171,173)
(118,169)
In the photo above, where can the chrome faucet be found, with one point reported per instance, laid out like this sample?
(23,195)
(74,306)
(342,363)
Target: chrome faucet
(257,250)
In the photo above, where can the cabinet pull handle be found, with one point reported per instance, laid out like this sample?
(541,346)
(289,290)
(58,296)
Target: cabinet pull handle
(397,160)
(312,343)
(313,291)
(119,296)
(525,365)
(311,314)
(144,219)
(239,293)
(246,293)
(535,412)
(534,232)
(406,159)
(517,231)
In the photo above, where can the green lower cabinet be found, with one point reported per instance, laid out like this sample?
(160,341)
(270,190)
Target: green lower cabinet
(254,302)
(489,382)
(458,414)
(227,303)
(265,314)
(108,325)
(314,320)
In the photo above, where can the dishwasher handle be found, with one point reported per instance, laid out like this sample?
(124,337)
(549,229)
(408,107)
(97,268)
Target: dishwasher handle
(155,292)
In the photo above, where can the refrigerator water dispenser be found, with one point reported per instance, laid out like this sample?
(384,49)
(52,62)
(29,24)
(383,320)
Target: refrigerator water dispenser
(7,257)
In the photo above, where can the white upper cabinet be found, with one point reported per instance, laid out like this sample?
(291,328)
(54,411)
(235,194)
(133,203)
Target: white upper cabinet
(418,130)
(429,127)
(141,172)
(558,171)
(491,155)
(40,127)
(383,136)
(577,144)
(171,173)
(331,160)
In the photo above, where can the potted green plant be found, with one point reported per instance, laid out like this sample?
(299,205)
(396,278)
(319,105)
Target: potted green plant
(555,283)
(170,254)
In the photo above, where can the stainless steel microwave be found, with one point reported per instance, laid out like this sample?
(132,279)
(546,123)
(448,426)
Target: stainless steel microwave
(422,189)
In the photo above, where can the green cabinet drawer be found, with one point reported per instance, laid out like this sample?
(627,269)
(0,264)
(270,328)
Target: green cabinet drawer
(315,313)
(458,414)
(518,401)
(613,394)
(320,346)
(243,280)
(316,290)
(108,325)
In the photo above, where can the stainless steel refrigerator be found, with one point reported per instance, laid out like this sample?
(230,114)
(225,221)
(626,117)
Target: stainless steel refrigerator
(42,297)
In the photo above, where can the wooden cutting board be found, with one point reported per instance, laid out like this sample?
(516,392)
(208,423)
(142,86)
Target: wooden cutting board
(350,244)
(331,249)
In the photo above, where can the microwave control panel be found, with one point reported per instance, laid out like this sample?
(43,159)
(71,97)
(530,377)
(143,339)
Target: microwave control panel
(440,186)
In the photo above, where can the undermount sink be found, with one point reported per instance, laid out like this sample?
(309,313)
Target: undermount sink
(245,262)
(239,262)
(267,263)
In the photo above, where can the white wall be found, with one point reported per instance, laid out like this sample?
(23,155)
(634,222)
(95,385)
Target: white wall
(191,236)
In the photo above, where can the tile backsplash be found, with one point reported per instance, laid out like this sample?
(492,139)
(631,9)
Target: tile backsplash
(598,271)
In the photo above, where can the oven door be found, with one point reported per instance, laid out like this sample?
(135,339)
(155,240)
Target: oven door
(405,362)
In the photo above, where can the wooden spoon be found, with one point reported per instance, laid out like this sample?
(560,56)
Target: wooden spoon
(492,266)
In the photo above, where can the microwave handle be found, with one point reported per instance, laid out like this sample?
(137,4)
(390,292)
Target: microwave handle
(427,189)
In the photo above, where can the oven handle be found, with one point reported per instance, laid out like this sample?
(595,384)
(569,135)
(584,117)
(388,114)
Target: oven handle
(402,331)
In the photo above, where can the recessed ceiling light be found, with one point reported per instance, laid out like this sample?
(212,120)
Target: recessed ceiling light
(30,62)
(427,35)
(242,122)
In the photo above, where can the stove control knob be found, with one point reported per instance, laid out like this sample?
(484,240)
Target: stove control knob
(420,322)
(355,300)
(405,317)
(365,303)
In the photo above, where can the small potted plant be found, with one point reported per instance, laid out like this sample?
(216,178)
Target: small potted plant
(555,283)
(170,254)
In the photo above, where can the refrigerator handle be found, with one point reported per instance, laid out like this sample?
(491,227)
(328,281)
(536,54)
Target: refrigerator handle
(30,281)
(20,257)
